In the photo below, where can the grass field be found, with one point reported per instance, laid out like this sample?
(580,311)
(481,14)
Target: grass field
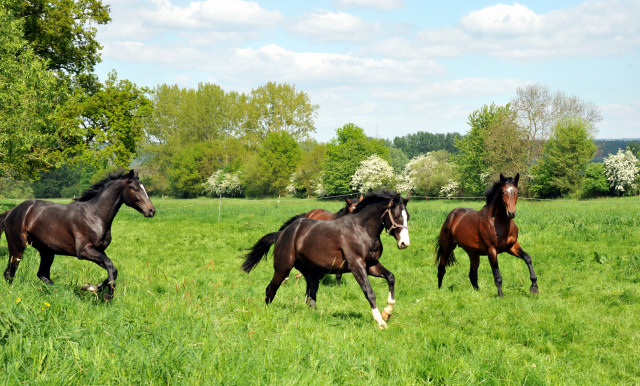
(185,313)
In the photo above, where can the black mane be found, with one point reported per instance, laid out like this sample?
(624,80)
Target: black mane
(383,195)
(96,188)
(496,188)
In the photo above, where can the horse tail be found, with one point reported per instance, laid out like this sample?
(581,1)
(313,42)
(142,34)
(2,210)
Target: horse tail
(291,220)
(259,250)
(443,248)
(2,217)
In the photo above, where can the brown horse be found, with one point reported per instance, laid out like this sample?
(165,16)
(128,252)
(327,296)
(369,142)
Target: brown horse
(347,244)
(487,232)
(81,228)
(321,214)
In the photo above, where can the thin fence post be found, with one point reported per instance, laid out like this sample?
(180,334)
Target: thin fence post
(219,208)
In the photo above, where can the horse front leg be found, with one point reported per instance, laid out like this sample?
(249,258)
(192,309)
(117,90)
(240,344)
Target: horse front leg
(44,271)
(359,271)
(92,254)
(517,251)
(497,277)
(379,270)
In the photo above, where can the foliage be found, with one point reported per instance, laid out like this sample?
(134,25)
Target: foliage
(191,167)
(429,174)
(622,170)
(344,154)
(308,175)
(398,159)
(275,162)
(10,188)
(373,174)
(222,184)
(471,160)
(421,142)
(567,153)
(634,146)
(505,146)
(595,182)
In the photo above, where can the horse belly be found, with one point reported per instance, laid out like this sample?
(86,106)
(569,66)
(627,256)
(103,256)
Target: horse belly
(322,257)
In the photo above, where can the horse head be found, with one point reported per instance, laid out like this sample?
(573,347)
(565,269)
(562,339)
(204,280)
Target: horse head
(395,219)
(135,195)
(510,194)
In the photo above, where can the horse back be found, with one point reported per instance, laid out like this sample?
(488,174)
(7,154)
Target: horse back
(319,214)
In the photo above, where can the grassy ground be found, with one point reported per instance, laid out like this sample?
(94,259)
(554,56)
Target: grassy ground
(185,313)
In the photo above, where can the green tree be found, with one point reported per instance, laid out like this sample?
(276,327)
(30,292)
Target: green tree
(279,107)
(344,154)
(423,142)
(308,174)
(595,182)
(274,164)
(505,147)
(561,170)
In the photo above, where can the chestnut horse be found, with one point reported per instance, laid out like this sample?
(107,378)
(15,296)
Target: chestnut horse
(321,214)
(81,228)
(487,232)
(347,244)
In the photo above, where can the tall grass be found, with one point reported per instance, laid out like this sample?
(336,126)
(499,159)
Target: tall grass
(185,313)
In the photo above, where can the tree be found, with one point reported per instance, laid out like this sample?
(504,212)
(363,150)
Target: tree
(539,111)
(224,184)
(344,154)
(423,142)
(308,174)
(505,146)
(595,181)
(61,31)
(429,173)
(565,158)
(279,107)
(373,174)
(622,171)
(274,164)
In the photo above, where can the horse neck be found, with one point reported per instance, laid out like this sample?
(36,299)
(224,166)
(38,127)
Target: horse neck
(370,218)
(496,208)
(107,203)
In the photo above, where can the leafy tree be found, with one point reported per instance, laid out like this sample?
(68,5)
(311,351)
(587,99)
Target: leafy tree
(279,107)
(373,174)
(505,146)
(539,112)
(190,168)
(308,174)
(344,154)
(61,31)
(398,159)
(427,174)
(561,170)
(622,171)
(595,181)
(276,161)
(634,146)
(471,161)
(423,142)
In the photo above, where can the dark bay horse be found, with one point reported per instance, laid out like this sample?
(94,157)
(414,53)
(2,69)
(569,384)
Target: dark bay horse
(81,228)
(347,244)
(487,232)
(322,214)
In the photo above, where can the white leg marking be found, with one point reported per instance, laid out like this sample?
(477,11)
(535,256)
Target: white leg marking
(378,318)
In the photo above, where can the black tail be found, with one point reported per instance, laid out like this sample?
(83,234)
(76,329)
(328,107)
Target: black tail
(439,249)
(289,221)
(259,250)
(2,217)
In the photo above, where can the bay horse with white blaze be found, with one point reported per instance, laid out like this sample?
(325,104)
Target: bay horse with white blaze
(347,244)
(322,214)
(487,232)
(81,228)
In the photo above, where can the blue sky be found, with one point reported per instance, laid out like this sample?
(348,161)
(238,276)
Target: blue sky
(393,67)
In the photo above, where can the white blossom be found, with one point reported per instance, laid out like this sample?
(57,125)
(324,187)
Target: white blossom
(224,184)
(450,190)
(622,170)
(373,174)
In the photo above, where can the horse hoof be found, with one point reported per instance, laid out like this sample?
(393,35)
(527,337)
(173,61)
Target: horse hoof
(385,315)
(89,287)
(382,326)
(46,280)
(534,290)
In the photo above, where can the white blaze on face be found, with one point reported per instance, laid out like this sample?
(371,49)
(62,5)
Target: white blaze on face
(145,191)
(403,237)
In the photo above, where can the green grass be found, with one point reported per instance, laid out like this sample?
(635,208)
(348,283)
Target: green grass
(185,313)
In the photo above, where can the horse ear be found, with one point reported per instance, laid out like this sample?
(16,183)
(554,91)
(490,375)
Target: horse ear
(347,201)
(132,174)
(516,178)
(502,179)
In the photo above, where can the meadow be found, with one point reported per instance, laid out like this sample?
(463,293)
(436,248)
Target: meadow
(184,312)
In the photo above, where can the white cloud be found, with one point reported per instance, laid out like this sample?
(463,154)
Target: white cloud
(322,25)
(503,19)
(212,15)
(620,121)
(383,5)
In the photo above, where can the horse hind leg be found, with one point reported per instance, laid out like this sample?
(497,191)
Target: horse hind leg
(16,250)
(473,270)
(313,283)
(276,281)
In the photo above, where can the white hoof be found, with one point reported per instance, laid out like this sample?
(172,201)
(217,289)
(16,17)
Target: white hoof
(89,287)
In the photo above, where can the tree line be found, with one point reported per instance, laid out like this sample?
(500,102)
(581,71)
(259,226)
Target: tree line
(62,128)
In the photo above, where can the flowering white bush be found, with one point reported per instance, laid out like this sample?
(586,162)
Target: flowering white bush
(622,170)
(223,184)
(373,174)
(430,174)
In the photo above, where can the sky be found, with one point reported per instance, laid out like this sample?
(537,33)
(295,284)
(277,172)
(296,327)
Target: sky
(392,67)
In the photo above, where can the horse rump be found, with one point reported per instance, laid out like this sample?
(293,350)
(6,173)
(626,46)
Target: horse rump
(259,250)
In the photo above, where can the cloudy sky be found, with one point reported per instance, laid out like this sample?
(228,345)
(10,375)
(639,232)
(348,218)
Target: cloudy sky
(392,67)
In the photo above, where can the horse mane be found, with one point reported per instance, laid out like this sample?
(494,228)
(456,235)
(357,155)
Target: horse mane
(96,188)
(371,198)
(491,193)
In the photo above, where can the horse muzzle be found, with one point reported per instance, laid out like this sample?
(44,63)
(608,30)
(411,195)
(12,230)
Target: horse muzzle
(149,212)
(511,214)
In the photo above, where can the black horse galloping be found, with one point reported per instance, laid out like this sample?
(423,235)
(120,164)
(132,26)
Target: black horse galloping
(81,228)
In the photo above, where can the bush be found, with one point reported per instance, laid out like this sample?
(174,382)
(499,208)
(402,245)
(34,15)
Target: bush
(595,182)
